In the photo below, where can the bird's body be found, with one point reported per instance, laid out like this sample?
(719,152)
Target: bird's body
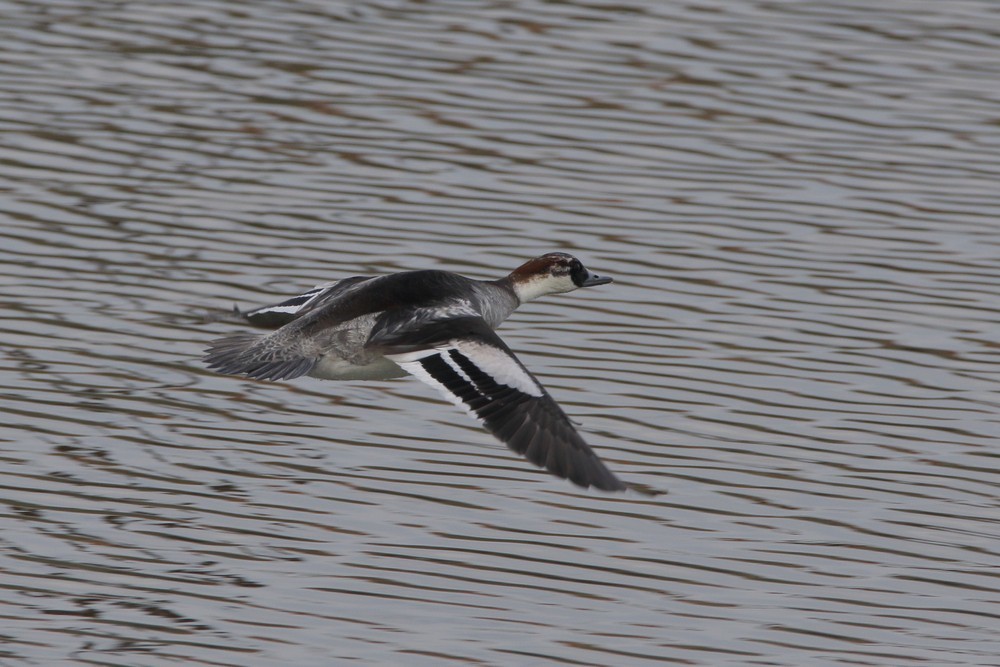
(439,327)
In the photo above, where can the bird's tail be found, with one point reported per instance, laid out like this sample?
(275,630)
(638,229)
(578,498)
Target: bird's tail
(255,356)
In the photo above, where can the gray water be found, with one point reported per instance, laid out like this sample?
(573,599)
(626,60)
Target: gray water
(799,203)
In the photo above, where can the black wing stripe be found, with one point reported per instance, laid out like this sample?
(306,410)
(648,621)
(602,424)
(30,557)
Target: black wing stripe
(440,370)
(532,426)
(484,383)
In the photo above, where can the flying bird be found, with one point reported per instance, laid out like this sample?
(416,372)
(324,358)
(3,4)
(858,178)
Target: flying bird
(437,326)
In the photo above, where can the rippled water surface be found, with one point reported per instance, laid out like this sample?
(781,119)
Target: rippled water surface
(799,202)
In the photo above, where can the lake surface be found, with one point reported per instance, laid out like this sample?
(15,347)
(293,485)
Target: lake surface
(799,203)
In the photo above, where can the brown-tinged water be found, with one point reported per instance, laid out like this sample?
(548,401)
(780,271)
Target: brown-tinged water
(800,203)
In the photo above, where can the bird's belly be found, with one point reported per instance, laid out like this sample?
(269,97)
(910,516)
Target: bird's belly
(331,367)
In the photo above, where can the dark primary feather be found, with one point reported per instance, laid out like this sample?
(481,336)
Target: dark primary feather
(533,426)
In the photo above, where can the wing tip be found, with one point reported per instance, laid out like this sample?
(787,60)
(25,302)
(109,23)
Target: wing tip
(598,476)
(610,483)
(644,490)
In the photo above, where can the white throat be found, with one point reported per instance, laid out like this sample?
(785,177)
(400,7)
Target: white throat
(529,290)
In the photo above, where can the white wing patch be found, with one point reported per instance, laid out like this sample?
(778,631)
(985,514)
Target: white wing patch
(294,304)
(493,361)
(291,309)
(410,362)
(455,367)
(500,366)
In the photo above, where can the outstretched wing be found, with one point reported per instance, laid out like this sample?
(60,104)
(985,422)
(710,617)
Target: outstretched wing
(279,314)
(296,346)
(464,359)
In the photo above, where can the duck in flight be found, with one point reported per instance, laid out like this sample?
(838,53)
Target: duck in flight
(439,327)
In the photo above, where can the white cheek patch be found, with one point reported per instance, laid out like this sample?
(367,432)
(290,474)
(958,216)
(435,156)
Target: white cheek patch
(528,290)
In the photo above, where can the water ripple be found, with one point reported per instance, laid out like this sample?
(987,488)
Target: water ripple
(797,201)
